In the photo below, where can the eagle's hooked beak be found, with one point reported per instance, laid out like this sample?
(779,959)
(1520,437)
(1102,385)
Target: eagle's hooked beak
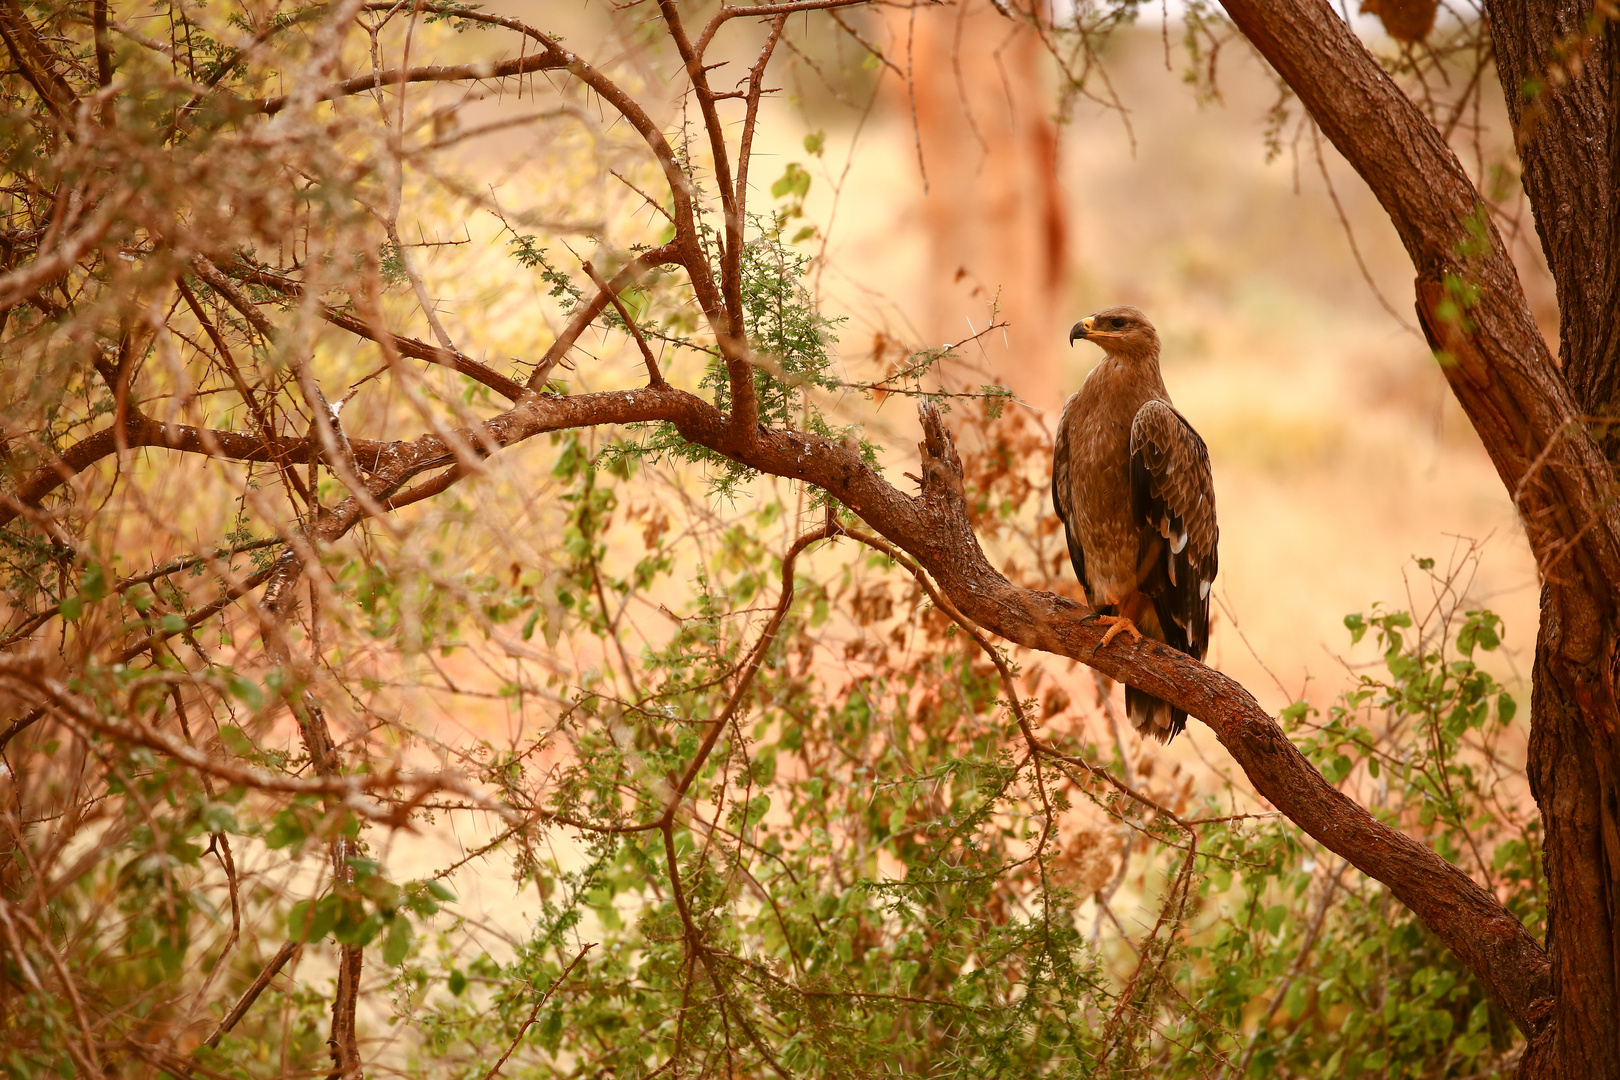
(1081,329)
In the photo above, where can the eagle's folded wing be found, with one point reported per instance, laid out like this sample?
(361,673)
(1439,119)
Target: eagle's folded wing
(1173,498)
(1063,500)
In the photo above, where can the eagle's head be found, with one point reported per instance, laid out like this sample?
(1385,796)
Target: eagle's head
(1121,331)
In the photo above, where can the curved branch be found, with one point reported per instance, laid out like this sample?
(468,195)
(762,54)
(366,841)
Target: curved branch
(1483,934)
(487,69)
(935,529)
(354,791)
(405,346)
(143,431)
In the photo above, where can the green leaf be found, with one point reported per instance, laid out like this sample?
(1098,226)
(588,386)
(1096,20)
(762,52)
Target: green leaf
(364,867)
(1295,1001)
(312,920)
(71,608)
(235,740)
(548,1032)
(93,586)
(287,831)
(172,623)
(794,181)
(457,982)
(398,942)
(815,143)
(218,818)
(247,692)
(1296,712)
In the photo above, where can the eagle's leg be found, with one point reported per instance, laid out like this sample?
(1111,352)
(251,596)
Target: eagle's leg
(1135,606)
(1117,625)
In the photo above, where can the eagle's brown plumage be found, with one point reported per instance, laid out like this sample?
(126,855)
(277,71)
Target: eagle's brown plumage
(1131,482)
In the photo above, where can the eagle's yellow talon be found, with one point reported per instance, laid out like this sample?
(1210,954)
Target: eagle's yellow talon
(1117,625)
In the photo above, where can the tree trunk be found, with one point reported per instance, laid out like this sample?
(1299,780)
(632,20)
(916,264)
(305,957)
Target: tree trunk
(992,205)
(1574,755)
(1560,73)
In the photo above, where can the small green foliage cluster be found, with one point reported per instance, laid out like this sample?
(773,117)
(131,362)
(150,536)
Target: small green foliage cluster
(788,331)
(529,254)
(792,344)
(793,186)
(451,12)
(363,908)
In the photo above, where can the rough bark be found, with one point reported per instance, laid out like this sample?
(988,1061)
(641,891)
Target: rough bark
(1560,75)
(1560,72)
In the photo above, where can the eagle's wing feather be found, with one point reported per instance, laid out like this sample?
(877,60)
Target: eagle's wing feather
(1063,502)
(1173,499)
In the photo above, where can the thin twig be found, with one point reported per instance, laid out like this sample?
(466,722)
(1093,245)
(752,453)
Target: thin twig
(257,987)
(653,376)
(535,1012)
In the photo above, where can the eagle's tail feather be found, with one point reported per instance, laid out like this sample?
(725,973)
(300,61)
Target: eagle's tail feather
(1153,716)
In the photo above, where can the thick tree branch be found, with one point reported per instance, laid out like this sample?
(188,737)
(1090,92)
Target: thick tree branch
(936,531)
(1535,420)
(1560,66)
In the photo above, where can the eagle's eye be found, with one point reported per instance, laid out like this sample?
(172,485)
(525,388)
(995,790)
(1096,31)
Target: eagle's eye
(1119,324)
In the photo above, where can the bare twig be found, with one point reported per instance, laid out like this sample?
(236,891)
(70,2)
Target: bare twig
(653,377)
(255,988)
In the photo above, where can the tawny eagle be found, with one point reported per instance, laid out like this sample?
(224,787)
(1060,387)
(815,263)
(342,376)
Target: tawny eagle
(1131,482)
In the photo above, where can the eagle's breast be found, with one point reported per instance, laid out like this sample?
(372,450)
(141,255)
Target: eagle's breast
(1097,420)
